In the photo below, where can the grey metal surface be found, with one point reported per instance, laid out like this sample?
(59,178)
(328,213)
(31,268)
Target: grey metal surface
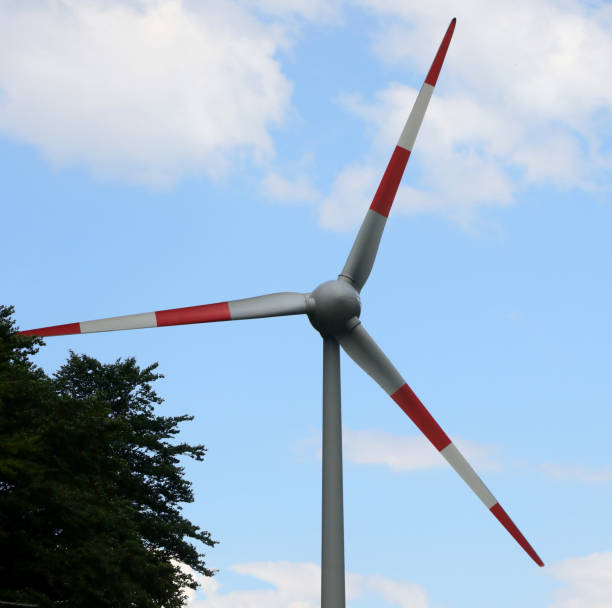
(332,530)
(413,124)
(363,253)
(359,345)
(138,321)
(333,305)
(271,305)
(361,348)
(456,459)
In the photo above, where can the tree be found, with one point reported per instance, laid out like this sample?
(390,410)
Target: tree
(91,484)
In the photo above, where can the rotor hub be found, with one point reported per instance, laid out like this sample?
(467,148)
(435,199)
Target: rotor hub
(334,305)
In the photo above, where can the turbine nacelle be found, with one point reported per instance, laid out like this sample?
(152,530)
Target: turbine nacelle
(334,307)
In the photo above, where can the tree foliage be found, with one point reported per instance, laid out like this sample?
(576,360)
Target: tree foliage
(91,484)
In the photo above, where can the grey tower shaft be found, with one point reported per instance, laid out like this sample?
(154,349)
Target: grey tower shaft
(332,540)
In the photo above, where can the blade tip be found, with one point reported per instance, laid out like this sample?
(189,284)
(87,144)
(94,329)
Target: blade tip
(505,520)
(436,66)
(54,330)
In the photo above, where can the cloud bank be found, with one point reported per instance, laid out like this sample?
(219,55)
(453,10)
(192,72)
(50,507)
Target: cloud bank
(588,581)
(297,585)
(524,100)
(146,91)
(150,91)
(403,453)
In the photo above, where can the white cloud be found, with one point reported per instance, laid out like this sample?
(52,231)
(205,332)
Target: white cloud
(349,198)
(588,581)
(546,59)
(398,593)
(400,453)
(298,190)
(403,453)
(146,90)
(456,164)
(521,101)
(318,11)
(410,452)
(587,584)
(579,473)
(152,90)
(297,585)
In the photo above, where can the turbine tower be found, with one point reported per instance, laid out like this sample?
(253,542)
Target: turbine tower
(333,309)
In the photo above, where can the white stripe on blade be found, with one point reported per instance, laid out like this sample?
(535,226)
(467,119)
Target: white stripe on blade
(413,124)
(140,321)
(462,466)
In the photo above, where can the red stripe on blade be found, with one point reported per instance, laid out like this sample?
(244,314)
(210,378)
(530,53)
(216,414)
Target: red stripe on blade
(505,521)
(383,199)
(206,313)
(436,66)
(418,413)
(55,330)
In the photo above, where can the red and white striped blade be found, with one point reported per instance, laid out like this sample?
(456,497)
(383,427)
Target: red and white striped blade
(365,352)
(272,305)
(361,258)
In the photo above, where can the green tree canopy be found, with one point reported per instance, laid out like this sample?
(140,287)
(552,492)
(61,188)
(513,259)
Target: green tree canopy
(91,484)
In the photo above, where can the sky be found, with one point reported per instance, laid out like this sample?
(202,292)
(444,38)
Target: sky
(164,153)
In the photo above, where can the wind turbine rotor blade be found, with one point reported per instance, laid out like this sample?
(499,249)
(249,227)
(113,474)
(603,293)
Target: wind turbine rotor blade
(359,345)
(363,253)
(271,305)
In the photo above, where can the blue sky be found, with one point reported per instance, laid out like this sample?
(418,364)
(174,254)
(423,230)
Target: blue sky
(159,154)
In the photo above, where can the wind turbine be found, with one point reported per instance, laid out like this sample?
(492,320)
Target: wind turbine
(333,309)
